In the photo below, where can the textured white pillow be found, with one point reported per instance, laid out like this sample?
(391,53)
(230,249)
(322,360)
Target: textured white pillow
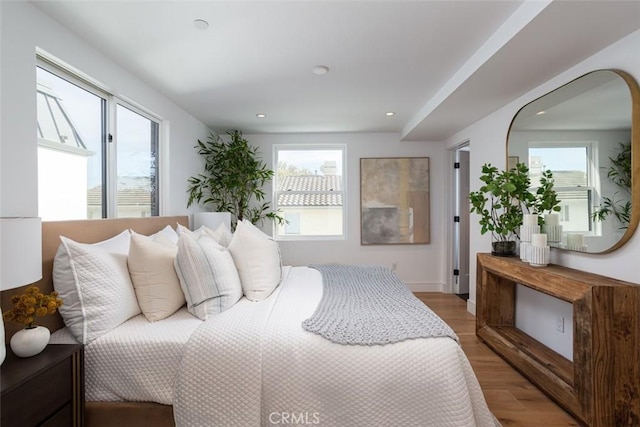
(257,257)
(93,282)
(222,235)
(154,277)
(207,274)
(166,233)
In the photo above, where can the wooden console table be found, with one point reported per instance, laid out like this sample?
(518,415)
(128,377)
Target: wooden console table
(601,386)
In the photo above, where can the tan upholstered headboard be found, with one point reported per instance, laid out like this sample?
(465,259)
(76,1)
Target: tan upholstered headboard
(85,231)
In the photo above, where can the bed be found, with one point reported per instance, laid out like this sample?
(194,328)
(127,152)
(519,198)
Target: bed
(254,364)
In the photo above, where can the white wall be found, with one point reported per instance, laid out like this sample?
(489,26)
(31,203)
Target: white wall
(420,266)
(488,144)
(23,28)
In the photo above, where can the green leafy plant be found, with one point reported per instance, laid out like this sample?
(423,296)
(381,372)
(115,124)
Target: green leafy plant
(499,201)
(545,199)
(620,175)
(233,177)
(503,198)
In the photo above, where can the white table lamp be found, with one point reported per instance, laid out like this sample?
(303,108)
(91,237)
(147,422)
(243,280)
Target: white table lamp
(20,257)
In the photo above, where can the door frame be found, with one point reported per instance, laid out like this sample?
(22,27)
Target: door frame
(450,283)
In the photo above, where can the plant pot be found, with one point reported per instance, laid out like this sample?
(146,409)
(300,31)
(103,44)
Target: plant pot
(504,248)
(30,341)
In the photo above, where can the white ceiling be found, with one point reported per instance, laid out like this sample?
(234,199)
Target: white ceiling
(439,65)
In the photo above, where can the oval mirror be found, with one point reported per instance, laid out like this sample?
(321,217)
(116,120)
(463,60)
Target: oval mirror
(587,133)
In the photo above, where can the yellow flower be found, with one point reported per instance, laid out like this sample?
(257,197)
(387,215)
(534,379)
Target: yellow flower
(31,304)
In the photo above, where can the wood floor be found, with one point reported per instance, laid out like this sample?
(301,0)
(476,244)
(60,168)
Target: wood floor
(510,396)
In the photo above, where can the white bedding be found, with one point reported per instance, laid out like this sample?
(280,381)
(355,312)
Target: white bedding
(137,361)
(254,365)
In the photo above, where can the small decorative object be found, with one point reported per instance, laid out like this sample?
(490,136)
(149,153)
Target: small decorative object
(575,242)
(525,251)
(552,228)
(26,308)
(527,229)
(30,341)
(539,253)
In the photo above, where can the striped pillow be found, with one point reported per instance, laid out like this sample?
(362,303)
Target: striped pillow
(208,276)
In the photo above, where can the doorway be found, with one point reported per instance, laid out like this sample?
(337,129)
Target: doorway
(461,221)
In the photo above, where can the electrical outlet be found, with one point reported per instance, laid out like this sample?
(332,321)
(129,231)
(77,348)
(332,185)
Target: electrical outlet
(394,266)
(560,324)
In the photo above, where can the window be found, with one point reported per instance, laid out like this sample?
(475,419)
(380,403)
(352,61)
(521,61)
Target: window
(309,191)
(97,155)
(137,137)
(573,166)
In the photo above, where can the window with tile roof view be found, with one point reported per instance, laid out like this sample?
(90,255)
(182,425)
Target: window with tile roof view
(309,191)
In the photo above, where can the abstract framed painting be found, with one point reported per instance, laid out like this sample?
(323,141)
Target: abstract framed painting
(394,201)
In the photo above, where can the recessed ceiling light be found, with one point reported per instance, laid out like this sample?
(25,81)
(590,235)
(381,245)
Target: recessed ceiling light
(320,70)
(200,24)
(539,113)
(261,115)
(389,113)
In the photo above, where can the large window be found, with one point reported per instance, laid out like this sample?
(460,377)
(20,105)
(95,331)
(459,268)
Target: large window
(309,191)
(574,168)
(97,154)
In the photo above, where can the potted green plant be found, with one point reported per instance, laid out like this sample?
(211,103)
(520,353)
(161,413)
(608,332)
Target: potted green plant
(503,198)
(545,199)
(499,203)
(233,177)
(619,174)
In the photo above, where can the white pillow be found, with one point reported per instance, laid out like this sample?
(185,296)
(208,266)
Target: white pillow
(93,282)
(181,229)
(154,277)
(207,274)
(257,257)
(166,233)
(221,234)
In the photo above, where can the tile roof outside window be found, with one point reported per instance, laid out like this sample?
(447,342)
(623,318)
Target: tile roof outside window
(310,183)
(295,190)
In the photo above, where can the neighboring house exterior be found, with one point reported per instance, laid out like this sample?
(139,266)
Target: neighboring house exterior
(134,198)
(307,203)
(62,161)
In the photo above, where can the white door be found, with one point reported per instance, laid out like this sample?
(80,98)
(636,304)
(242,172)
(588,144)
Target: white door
(461,221)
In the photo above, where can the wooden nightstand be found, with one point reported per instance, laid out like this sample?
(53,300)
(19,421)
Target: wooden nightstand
(44,390)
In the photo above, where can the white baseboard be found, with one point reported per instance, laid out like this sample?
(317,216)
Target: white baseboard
(426,287)
(471,307)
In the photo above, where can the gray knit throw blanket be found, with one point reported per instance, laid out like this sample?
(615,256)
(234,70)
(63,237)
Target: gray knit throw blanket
(369,305)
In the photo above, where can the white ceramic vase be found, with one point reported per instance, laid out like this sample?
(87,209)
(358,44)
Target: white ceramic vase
(30,341)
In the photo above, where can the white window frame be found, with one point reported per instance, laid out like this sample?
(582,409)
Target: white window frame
(593,178)
(66,72)
(310,147)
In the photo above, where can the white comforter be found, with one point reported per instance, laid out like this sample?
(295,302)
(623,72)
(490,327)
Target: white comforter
(254,365)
